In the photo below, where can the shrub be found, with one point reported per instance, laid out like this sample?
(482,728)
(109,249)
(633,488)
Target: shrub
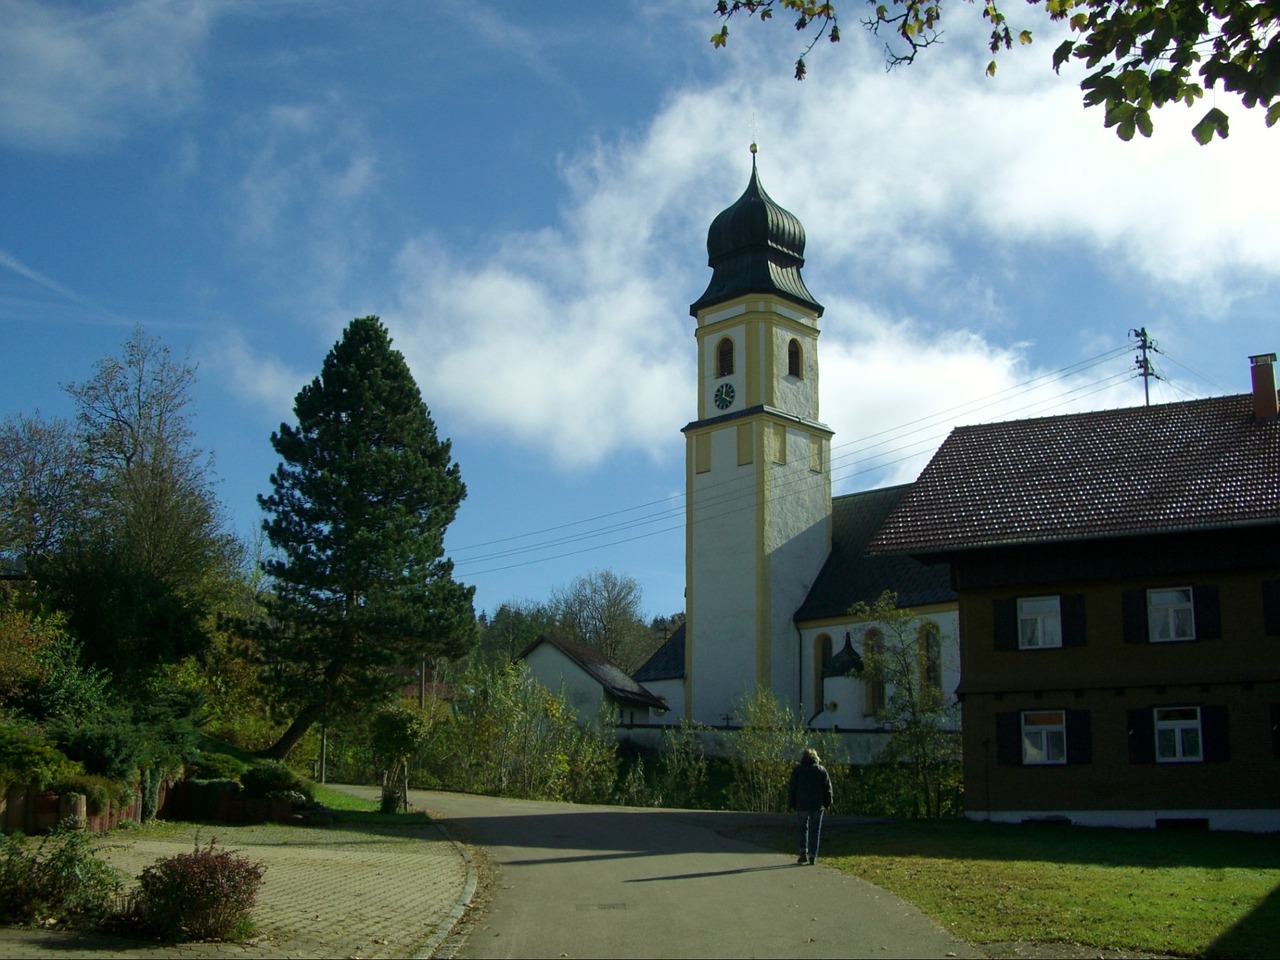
(769,745)
(271,776)
(891,790)
(29,758)
(513,738)
(289,796)
(207,894)
(205,795)
(101,794)
(109,744)
(221,766)
(60,879)
(681,778)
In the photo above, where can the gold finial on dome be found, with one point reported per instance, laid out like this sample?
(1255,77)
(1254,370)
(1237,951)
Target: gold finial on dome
(754,148)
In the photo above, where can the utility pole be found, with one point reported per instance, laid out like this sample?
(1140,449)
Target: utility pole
(1145,368)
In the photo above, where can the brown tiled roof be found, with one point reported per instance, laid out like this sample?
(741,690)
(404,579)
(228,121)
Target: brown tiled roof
(608,674)
(1177,466)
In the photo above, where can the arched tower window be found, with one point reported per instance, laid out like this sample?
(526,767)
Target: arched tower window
(821,654)
(795,359)
(724,358)
(930,655)
(872,654)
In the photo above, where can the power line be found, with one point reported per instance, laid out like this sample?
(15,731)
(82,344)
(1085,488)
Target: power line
(1143,362)
(852,447)
(666,514)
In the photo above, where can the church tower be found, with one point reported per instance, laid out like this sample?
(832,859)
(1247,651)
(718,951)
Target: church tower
(758,482)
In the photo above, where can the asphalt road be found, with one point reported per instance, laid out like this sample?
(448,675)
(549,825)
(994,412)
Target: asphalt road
(579,881)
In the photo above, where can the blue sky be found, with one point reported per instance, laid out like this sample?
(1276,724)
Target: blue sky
(522,193)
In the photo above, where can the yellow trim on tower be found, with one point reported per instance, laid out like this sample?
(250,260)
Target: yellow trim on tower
(768,365)
(764,597)
(751,359)
(690,611)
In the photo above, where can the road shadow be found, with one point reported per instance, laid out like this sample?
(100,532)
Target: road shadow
(712,873)
(1256,935)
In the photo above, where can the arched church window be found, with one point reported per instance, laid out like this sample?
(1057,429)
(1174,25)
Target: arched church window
(872,655)
(821,654)
(724,358)
(930,655)
(795,364)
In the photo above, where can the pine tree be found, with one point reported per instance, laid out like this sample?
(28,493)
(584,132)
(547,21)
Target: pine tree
(360,503)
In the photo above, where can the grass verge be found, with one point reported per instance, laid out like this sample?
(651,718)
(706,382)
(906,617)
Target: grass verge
(352,810)
(1139,891)
(340,800)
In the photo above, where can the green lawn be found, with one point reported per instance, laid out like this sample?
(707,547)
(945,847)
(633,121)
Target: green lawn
(353,811)
(1185,893)
(340,800)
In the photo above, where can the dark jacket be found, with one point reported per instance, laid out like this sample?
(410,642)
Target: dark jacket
(810,786)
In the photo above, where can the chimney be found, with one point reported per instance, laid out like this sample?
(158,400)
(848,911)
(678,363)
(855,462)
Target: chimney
(1266,406)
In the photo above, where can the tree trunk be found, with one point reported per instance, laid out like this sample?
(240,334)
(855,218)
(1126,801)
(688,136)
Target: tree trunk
(281,749)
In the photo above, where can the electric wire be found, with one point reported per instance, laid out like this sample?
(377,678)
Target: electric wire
(853,447)
(856,458)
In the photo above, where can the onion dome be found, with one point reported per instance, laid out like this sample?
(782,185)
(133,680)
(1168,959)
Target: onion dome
(755,246)
(844,663)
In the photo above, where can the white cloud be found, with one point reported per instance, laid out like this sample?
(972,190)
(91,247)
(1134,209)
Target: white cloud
(893,389)
(574,341)
(913,153)
(300,205)
(575,366)
(258,380)
(304,163)
(72,80)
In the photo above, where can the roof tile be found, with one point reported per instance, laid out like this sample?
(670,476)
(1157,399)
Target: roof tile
(1177,466)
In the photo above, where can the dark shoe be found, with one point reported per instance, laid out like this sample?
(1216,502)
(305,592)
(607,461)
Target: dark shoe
(812,860)
(803,859)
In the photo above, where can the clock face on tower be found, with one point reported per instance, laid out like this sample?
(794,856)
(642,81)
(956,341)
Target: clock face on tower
(724,396)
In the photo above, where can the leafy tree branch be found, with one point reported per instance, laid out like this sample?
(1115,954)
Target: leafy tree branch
(1141,54)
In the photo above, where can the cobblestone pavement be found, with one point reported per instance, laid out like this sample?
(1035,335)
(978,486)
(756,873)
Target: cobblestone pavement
(327,892)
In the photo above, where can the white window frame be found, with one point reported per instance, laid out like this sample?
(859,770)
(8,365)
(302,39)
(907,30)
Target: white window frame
(1171,615)
(1039,627)
(1044,737)
(1179,733)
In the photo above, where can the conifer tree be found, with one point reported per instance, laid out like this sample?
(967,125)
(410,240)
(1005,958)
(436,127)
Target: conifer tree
(357,514)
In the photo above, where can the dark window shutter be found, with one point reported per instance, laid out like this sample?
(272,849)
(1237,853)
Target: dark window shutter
(1214,733)
(1204,606)
(1072,607)
(1275,730)
(1271,606)
(1079,737)
(1133,605)
(1009,738)
(1142,736)
(1004,619)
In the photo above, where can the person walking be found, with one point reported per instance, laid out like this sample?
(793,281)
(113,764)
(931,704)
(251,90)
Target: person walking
(810,797)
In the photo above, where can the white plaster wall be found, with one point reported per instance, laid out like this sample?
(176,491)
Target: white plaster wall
(721,625)
(708,381)
(673,690)
(797,396)
(850,692)
(727,541)
(1246,821)
(858,748)
(555,671)
(798,521)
